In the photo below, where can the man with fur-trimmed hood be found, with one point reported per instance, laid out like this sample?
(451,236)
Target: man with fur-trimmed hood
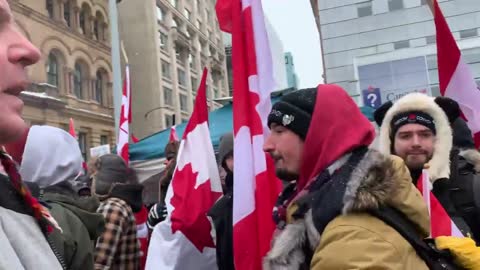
(417,129)
(326,217)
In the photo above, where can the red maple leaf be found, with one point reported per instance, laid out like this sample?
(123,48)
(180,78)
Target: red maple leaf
(191,206)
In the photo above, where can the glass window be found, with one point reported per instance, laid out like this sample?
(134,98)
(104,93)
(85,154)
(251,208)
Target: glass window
(187,14)
(96,27)
(182,80)
(169,120)
(194,85)
(364,9)
(166,70)
(395,5)
(431,39)
(160,14)
(168,96)
(183,102)
(49,6)
(82,142)
(401,44)
(99,88)
(67,12)
(163,41)
(423,2)
(215,93)
(52,70)
(103,140)
(469,33)
(77,81)
(191,60)
(83,24)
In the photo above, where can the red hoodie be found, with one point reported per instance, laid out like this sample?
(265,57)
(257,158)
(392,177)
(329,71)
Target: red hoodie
(337,127)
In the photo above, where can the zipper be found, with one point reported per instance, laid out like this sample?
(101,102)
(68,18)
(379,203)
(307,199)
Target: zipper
(57,254)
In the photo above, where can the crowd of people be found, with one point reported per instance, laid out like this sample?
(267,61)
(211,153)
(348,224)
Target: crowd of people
(344,204)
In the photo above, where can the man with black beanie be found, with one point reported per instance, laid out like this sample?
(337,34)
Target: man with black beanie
(326,217)
(222,211)
(418,128)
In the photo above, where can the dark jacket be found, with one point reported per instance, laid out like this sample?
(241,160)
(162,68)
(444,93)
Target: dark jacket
(460,194)
(222,215)
(80,225)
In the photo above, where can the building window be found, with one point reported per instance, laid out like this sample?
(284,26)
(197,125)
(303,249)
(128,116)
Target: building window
(169,120)
(77,81)
(160,14)
(66,13)
(364,9)
(104,140)
(95,29)
(424,2)
(168,96)
(183,102)
(166,70)
(431,39)
(82,142)
(52,70)
(469,33)
(163,41)
(194,84)
(215,93)
(99,88)
(199,24)
(83,24)
(395,5)
(187,14)
(191,60)
(49,6)
(401,44)
(182,80)
(184,120)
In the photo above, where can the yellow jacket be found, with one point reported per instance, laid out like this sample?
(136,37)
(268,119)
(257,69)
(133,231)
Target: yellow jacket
(356,239)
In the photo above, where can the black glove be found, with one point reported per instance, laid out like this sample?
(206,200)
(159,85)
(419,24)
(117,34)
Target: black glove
(157,214)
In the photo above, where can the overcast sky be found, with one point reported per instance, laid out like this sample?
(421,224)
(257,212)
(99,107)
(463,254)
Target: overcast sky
(293,20)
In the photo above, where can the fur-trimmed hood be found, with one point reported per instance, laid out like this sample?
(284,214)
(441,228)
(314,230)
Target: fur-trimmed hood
(377,180)
(439,165)
(473,157)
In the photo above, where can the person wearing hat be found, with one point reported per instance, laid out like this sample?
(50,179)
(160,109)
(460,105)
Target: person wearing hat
(121,197)
(325,218)
(50,161)
(222,211)
(418,129)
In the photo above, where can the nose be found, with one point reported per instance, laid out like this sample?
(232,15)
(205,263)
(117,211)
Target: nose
(268,145)
(22,51)
(416,140)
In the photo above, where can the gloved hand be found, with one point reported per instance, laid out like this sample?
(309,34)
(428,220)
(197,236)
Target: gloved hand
(157,214)
(463,249)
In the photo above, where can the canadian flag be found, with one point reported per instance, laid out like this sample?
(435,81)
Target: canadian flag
(255,193)
(456,78)
(440,222)
(71,129)
(125,118)
(185,239)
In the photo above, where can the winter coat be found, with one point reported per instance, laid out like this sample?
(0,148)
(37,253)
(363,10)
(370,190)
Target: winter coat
(81,226)
(222,216)
(448,169)
(23,244)
(351,238)
(118,247)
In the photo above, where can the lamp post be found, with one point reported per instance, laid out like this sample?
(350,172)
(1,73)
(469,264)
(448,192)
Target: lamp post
(158,108)
(116,65)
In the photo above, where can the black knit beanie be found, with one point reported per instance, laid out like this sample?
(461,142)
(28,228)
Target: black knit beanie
(294,111)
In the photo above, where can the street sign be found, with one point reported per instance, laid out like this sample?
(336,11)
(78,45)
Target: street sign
(371,97)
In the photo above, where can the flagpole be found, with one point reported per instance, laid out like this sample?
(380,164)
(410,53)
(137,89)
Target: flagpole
(116,65)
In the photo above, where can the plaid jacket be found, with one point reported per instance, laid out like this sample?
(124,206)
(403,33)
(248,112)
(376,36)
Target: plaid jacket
(117,248)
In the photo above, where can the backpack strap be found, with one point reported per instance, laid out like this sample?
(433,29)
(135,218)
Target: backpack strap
(425,249)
